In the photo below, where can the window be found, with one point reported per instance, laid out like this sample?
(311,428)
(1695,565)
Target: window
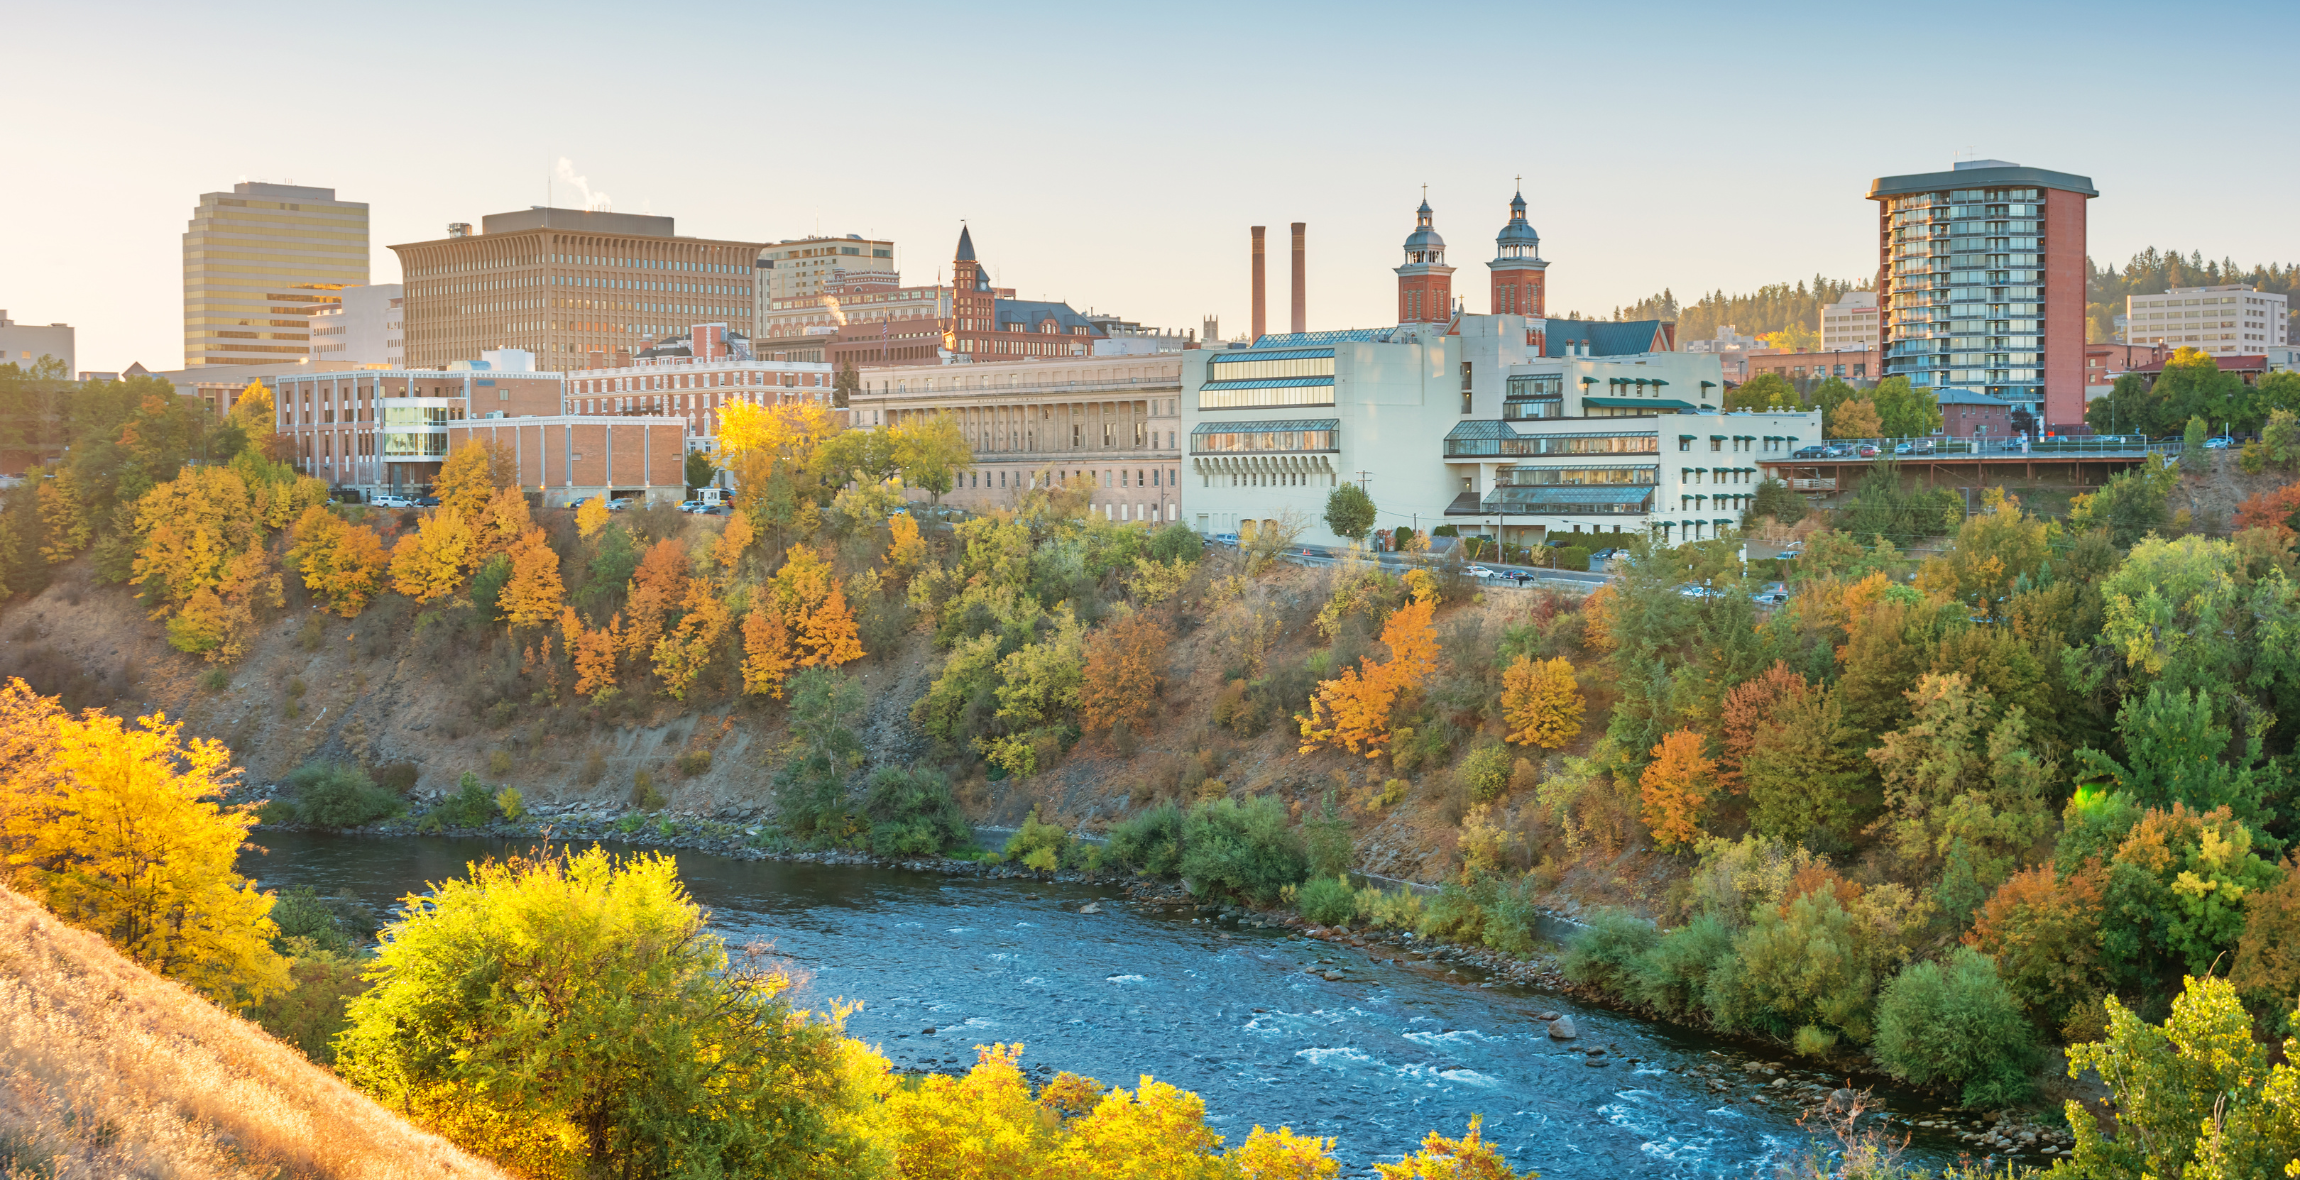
(1685,442)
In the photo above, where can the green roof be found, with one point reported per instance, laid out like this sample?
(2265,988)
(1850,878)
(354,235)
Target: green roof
(1652,402)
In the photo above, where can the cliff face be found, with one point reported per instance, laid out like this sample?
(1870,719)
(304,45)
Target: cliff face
(112,1071)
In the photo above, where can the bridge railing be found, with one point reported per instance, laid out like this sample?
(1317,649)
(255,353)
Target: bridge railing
(1933,446)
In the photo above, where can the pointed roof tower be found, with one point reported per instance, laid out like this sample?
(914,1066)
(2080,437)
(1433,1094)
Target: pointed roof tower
(1519,284)
(1425,282)
(965,244)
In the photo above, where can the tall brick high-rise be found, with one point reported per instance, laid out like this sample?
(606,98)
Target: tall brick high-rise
(1425,282)
(1980,281)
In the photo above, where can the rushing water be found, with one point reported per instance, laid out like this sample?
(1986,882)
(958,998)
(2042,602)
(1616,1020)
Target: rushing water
(1375,1059)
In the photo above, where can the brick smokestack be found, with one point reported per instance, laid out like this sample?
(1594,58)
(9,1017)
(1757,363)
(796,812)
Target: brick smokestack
(1261,287)
(1301,287)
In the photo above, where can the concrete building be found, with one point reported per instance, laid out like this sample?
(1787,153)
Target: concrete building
(258,261)
(1850,324)
(2224,321)
(697,389)
(1980,283)
(366,328)
(798,267)
(1503,425)
(218,387)
(882,319)
(1124,337)
(25,345)
(1116,419)
(389,430)
(576,288)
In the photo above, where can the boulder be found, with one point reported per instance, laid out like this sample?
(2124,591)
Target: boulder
(1545,1016)
(1561,1029)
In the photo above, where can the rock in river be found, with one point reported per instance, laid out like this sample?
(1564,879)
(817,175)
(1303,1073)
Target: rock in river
(1561,1029)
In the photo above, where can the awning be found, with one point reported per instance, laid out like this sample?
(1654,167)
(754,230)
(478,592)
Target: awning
(1657,403)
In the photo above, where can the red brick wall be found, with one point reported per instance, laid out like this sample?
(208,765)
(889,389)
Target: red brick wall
(1436,306)
(2064,309)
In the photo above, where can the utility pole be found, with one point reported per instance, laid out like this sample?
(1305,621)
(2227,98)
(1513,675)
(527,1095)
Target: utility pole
(1363,476)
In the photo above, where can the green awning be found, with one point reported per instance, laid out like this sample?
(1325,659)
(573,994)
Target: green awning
(1648,402)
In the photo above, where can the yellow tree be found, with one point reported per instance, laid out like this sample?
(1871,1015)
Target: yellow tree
(591,517)
(252,412)
(190,528)
(504,521)
(766,649)
(657,589)
(1674,786)
(219,620)
(467,480)
(908,550)
(827,634)
(735,541)
(532,596)
(1467,1158)
(683,654)
(432,561)
(341,562)
(118,831)
(1542,702)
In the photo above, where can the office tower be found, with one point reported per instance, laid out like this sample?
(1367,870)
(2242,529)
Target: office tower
(258,261)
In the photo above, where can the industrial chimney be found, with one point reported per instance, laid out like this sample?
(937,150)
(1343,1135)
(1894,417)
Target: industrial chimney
(1261,287)
(1301,291)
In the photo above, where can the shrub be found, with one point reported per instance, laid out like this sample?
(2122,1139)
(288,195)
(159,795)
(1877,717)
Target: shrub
(1606,953)
(1573,557)
(1803,963)
(1674,974)
(321,984)
(1328,901)
(694,762)
(312,634)
(1037,845)
(317,923)
(594,769)
(1396,909)
(1485,773)
(1248,848)
(1176,541)
(511,804)
(216,680)
(1327,842)
(1956,1023)
(1455,915)
(472,805)
(499,762)
(912,813)
(1150,842)
(644,796)
(397,777)
(329,795)
(275,811)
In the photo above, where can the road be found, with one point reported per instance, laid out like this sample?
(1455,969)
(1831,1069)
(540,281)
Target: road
(1314,555)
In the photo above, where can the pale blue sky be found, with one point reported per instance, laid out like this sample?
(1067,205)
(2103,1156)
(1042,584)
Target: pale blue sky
(1114,155)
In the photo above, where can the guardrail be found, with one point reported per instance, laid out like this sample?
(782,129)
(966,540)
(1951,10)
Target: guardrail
(1984,447)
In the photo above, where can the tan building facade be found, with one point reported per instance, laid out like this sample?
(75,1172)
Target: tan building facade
(800,267)
(578,289)
(1115,420)
(258,261)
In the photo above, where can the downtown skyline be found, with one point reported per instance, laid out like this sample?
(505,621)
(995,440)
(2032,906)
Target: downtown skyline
(1115,163)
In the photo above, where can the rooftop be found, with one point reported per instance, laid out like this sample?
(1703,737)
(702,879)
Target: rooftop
(1980,174)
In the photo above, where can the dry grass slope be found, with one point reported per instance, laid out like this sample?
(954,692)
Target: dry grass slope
(108,1070)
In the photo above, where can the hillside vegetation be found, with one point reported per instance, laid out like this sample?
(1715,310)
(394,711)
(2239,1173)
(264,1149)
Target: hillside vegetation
(113,1071)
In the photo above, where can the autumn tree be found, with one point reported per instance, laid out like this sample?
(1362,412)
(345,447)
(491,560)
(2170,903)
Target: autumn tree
(1353,709)
(682,655)
(1468,1158)
(1542,702)
(503,522)
(591,517)
(2267,963)
(908,550)
(1746,706)
(191,527)
(432,561)
(1962,783)
(657,589)
(2044,933)
(593,651)
(734,541)
(827,635)
(219,620)
(1857,419)
(1675,786)
(118,829)
(2278,509)
(766,649)
(1122,681)
(467,480)
(533,595)
(341,562)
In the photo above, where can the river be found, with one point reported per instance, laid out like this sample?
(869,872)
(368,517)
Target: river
(1375,1059)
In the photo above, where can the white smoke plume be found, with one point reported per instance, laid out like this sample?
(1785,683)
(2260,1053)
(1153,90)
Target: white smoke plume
(591,200)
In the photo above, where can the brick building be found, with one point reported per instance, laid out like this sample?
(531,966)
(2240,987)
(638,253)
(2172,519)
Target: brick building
(1965,414)
(1854,368)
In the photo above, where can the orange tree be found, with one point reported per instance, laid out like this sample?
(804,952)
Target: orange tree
(1675,785)
(1121,681)
(1353,710)
(533,595)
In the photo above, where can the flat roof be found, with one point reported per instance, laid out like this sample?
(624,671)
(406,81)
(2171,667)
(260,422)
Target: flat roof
(2006,177)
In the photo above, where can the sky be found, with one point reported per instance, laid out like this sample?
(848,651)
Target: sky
(1114,156)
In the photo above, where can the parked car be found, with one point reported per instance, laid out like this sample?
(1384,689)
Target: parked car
(1904,448)
(1813,452)
(615,505)
(1479,571)
(1866,450)
(1770,597)
(1692,591)
(392,500)
(427,502)
(2218,442)
(1230,539)
(1837,451)
(1924,446)
(2010,444)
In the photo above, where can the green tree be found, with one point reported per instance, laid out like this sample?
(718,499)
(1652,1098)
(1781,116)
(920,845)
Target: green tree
(2130,506)
(1350,512)
(932,453)
(1905,411)
(811,785)
(1765,391)
(846,385)
(2193,456)
(2280,435)
(699,470)
(1776,501)
(574,1015)
(1955,1023)
(1962,776)
(1804,772)
(2128,408)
